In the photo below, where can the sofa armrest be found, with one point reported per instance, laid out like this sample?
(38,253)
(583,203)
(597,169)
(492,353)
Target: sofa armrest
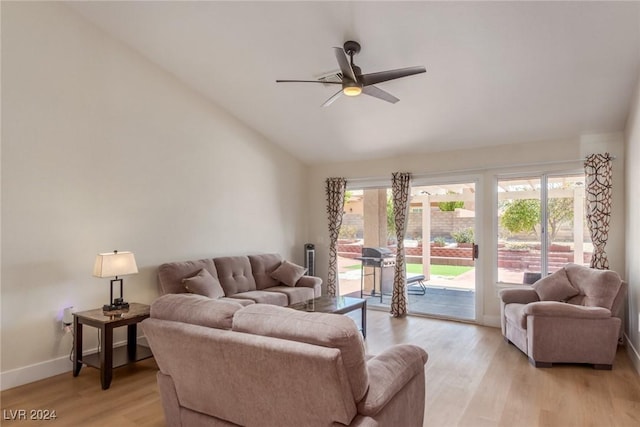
(562,309)
(522,295)
(389,372)
(311,282)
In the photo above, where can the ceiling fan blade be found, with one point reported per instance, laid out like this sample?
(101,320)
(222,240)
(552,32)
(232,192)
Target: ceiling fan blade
(309,81)
(332,99)
(343,62)
(376,92)
(383,76)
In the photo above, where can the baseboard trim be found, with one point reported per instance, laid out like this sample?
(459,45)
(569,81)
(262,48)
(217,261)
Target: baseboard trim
(40,371)
(36,372)
(633,353)
(493,321)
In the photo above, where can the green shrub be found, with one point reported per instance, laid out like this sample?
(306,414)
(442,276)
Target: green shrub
(348,232)
(517,246)
(439,242)
(464,235)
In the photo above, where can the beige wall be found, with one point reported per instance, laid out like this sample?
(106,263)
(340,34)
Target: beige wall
(482,164)
(102,150)
(632,227)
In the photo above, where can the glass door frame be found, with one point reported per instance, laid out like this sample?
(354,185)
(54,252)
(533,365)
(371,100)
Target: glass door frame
(479,234)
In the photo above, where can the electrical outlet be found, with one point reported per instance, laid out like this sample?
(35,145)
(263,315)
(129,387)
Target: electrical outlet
(67,319)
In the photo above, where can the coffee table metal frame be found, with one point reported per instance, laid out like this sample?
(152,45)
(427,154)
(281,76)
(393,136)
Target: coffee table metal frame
(336,305)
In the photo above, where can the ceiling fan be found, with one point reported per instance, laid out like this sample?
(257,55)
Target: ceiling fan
(354,82)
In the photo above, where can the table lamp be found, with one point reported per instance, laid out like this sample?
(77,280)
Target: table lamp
(115,264)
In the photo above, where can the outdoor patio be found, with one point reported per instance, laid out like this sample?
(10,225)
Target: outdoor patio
(442,302)
(445,296)
(451,297)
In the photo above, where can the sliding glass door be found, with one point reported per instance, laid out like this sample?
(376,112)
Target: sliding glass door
(541,226)
(439,247)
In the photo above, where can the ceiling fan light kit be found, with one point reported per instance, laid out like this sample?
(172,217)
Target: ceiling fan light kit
(354,82)
(352,89)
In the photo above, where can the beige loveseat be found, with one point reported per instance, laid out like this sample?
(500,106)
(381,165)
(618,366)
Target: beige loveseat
(571,316)
(243,279)
(222,364)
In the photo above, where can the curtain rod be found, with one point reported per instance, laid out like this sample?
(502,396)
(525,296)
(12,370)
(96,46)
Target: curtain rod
(482,169)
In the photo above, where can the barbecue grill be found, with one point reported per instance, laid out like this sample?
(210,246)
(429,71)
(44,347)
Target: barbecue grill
(383,260)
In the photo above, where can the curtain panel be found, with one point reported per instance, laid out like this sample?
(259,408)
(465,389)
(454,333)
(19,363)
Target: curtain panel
(335,205)
(400,185)
(597,169)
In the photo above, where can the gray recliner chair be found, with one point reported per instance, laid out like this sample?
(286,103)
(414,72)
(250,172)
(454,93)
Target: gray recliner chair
(570,316)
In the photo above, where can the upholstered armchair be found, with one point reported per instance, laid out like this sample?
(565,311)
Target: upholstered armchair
(570,316)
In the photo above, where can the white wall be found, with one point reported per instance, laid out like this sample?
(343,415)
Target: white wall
(485,164)
(102,150)
(632,227)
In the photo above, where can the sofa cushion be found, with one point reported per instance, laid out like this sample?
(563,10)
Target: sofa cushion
(170,274)
(599,287)
(288,273)
(262,266)
(241,301)
(204,284)
(323,329)
(264,297)
(195,309)
(235,275)
(295,294)
(555,287)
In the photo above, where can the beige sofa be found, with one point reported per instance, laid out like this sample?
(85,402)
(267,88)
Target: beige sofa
(222,364)
(571,316)
(244,279)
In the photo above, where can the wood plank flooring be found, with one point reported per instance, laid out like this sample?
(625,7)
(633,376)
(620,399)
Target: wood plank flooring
(474,379)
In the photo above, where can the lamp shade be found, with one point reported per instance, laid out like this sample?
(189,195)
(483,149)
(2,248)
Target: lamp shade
(115,263)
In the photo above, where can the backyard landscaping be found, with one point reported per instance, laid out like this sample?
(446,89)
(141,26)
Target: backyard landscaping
(436,269)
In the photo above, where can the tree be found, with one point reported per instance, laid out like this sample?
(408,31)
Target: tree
(391,218)
(450,206)
(347,196)
(560,213)
(523,215)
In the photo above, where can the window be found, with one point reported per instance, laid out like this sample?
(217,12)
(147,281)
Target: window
(541,226)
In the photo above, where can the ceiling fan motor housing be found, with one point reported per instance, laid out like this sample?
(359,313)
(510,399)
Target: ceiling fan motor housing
(351,48)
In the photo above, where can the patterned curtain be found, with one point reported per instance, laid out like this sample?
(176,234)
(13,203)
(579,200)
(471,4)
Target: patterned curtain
(400,185)
(335,206)
(597,169)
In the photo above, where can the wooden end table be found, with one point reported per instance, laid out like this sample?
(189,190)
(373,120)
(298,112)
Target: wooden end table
(108,358)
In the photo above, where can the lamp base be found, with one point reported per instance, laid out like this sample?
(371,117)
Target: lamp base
(116,306)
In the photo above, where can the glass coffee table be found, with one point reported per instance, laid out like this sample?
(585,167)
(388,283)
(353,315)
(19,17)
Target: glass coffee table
(336,305)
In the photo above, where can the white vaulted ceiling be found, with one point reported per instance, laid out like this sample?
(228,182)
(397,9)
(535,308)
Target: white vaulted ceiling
(497,72)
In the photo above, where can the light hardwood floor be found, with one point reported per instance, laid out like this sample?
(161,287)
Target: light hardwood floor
(474,379)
